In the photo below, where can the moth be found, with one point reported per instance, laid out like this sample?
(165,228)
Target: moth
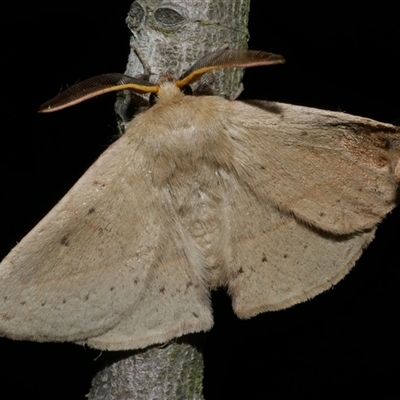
(275,202)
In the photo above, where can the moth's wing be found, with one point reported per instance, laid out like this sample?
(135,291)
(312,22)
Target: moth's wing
(175,300)
(102,260)
(332,170)
(278,261)
(312,185)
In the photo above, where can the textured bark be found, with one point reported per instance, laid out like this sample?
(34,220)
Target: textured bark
(169,39)
(172,371)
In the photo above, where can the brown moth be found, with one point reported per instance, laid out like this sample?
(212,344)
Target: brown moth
(275,202)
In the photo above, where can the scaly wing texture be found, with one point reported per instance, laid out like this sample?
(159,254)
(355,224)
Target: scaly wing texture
(312,186)
(332,170)
(278,261)
(88,268)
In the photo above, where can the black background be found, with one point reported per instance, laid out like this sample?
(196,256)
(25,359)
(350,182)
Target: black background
(345,340)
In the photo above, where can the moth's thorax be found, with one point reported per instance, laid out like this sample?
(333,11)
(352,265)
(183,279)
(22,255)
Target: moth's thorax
(181,133)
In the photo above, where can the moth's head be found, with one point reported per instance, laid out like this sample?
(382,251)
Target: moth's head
(168,92)
(114,82)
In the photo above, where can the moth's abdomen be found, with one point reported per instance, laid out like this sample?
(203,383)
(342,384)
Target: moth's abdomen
(202,210)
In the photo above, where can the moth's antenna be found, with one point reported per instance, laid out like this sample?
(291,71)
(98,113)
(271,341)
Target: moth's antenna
(228,59)
(114,82)
(96,86)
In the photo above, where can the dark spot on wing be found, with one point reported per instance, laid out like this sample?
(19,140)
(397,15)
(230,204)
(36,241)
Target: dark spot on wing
(111,288)
(237,273)
(162,290)
(264,259)
(188,285)
(64,301)
(195,315)
(91,210)
(64,240)
(101,185)
(388,144)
